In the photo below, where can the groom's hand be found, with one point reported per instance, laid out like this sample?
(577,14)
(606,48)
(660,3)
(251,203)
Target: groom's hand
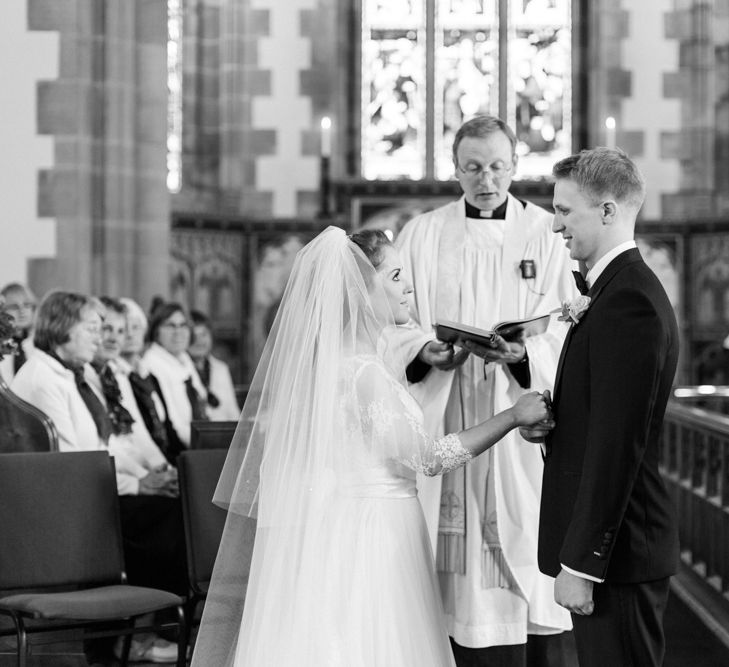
(536,432)
(442,355)
(574,593)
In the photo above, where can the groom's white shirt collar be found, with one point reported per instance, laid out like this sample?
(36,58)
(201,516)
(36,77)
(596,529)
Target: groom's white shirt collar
(600,265)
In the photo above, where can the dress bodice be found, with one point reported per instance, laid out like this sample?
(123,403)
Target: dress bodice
(385,443)
(389,480)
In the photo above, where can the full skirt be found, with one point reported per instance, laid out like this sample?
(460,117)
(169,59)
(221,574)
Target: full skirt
(366,596)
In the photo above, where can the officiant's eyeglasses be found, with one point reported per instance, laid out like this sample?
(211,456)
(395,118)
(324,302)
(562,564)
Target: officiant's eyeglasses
(476,171)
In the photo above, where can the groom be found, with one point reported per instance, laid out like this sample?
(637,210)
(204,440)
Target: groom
(607,528)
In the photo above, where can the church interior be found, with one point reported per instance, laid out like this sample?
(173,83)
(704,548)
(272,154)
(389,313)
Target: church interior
(185,150)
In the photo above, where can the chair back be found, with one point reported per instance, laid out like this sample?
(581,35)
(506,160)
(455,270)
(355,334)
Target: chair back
(23,427)
(59,520)
(199,471)
(211,434)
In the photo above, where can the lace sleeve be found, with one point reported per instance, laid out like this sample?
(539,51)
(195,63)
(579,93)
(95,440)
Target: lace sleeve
(392,422)
(448,454)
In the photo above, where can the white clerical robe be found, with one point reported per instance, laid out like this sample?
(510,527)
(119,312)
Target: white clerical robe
(468,271)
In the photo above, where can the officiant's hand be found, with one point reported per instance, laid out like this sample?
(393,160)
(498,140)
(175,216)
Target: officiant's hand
(574,593)
(442,355)
(500,350)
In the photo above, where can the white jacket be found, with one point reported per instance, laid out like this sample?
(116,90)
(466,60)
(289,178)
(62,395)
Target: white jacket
(171,373)
(138,444)
(48,385)
(221,384)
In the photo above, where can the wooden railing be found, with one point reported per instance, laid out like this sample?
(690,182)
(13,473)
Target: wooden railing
(695,464)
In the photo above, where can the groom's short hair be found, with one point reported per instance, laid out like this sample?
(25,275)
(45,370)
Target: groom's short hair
(604,173)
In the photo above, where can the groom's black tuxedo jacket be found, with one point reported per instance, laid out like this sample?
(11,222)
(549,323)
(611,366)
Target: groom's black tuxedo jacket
(605,510)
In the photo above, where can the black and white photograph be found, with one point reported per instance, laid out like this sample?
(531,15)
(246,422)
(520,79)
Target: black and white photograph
(364,333)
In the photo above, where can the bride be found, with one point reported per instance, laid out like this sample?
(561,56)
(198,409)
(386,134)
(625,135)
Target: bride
(325,457)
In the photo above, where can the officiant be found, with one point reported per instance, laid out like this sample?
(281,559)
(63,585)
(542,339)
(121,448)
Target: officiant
(485,258)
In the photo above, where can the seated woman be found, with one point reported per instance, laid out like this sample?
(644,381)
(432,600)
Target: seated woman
(168,360)
(109,374)
(214,373)
(55,380)
(145,386)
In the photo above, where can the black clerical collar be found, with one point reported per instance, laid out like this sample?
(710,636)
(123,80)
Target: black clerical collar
(499,213)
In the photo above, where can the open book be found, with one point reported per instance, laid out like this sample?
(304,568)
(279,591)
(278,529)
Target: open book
(457,333)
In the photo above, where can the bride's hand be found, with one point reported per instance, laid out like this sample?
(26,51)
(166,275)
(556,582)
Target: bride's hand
(533,409)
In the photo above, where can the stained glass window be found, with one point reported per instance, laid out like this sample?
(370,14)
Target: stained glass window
(510,58)
(174,95)
(539,93)
(393,74)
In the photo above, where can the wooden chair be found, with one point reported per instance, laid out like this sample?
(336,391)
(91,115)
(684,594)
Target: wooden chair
(199,471)
(23,427)
(211,434)
(61,558)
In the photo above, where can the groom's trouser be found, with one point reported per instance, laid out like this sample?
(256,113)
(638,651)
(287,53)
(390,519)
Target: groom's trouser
(539,651)
(626,627)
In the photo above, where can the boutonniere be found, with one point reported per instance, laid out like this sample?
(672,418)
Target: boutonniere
(574,310)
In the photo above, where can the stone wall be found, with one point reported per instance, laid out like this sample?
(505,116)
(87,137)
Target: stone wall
(258,75)
(661,68)
(106,112)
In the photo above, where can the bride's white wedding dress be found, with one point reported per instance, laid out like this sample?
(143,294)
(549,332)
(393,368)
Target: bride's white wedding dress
(367,594)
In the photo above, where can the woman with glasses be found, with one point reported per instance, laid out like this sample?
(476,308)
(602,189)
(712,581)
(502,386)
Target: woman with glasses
(168,360)
(214,372)
(66,336)
(145,386)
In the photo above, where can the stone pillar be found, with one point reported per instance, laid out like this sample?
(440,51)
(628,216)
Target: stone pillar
(242,80)
(107,112)
(201,120)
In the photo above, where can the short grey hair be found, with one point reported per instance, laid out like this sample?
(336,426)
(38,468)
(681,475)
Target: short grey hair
(134,310)
(480,127)
(57,314)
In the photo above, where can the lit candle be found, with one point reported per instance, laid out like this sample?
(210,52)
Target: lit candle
(610,132)
(326,136)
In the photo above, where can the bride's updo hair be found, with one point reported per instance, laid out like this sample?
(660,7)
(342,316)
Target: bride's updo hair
(372,243)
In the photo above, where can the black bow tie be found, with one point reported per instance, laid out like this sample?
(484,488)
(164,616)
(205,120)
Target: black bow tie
(580,282)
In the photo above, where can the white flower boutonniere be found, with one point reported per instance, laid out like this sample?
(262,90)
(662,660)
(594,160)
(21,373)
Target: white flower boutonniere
(575,309)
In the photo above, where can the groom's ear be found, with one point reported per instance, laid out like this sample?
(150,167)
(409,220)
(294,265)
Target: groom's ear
(608,212)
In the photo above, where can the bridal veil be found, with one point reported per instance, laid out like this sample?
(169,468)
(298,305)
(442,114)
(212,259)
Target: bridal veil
(292,449)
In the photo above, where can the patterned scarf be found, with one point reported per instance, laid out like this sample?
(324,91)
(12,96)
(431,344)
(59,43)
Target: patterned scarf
(90,399)
(121,420)
(204,373)
(19,358)
(143,389)
(196,403)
